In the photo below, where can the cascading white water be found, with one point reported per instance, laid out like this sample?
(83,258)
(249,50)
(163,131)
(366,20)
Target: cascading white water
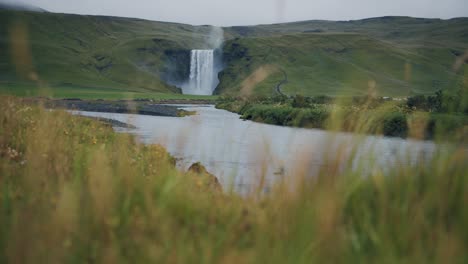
(202,79)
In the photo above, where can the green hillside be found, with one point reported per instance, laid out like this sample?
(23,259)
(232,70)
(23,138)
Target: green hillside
(393,56)
(74,55)
(91,52)
(401,29)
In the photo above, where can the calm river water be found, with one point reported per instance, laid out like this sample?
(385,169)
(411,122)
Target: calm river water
(239,152)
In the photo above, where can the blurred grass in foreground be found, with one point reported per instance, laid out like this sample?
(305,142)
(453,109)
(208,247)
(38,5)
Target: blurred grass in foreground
(74,191)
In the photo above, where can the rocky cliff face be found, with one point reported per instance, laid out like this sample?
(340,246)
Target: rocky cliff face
(176,69)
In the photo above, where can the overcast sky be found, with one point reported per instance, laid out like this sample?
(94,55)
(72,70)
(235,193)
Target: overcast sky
(248,12)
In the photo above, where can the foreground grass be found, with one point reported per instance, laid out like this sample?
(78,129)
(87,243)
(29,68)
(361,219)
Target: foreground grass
(74,191)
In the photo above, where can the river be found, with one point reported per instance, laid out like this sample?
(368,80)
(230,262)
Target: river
(240,153)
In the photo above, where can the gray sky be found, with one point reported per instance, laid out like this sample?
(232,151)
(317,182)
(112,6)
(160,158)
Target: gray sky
(247,12)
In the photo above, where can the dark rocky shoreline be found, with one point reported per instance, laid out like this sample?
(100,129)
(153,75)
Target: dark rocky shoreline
(123,107)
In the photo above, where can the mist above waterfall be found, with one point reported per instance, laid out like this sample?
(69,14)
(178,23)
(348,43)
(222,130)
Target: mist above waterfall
(205,64)
(215,38)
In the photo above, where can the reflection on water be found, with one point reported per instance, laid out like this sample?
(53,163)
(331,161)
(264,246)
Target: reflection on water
(240,152)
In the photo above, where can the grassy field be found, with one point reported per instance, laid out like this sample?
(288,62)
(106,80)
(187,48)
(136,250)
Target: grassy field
(74,191)
(64,92)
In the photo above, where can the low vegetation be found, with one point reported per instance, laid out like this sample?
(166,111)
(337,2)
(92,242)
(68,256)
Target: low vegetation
(422,117)
(75,191)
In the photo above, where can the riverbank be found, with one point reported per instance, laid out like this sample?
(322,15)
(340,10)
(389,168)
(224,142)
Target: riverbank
(358,115)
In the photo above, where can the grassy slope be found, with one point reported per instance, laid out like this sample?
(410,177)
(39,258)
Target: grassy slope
(89,52)
(402,55)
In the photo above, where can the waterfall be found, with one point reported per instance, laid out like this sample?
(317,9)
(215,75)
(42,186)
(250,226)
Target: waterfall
(202,79)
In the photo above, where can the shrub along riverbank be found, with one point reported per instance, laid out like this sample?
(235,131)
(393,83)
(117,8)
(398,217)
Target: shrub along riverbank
(73,191)
(431,116)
